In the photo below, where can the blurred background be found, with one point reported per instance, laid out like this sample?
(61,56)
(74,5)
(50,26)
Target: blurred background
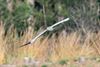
(37,14)
(21,20)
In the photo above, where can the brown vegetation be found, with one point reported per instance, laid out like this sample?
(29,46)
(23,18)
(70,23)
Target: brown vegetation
(65,46)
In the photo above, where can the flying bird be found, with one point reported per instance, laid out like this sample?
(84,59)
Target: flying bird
(50,28)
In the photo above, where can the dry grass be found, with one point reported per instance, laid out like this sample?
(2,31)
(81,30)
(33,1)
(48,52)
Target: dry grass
(2,42)
(65,46)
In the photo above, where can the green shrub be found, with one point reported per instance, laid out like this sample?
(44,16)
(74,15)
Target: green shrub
(44,65)
(62,62)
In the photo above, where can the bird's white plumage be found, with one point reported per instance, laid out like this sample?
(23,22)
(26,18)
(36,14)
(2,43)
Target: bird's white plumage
(50,28)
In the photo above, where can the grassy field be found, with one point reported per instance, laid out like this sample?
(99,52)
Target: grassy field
(64,50)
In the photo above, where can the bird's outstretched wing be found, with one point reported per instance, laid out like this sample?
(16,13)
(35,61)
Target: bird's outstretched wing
(50,28)
(25,44)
